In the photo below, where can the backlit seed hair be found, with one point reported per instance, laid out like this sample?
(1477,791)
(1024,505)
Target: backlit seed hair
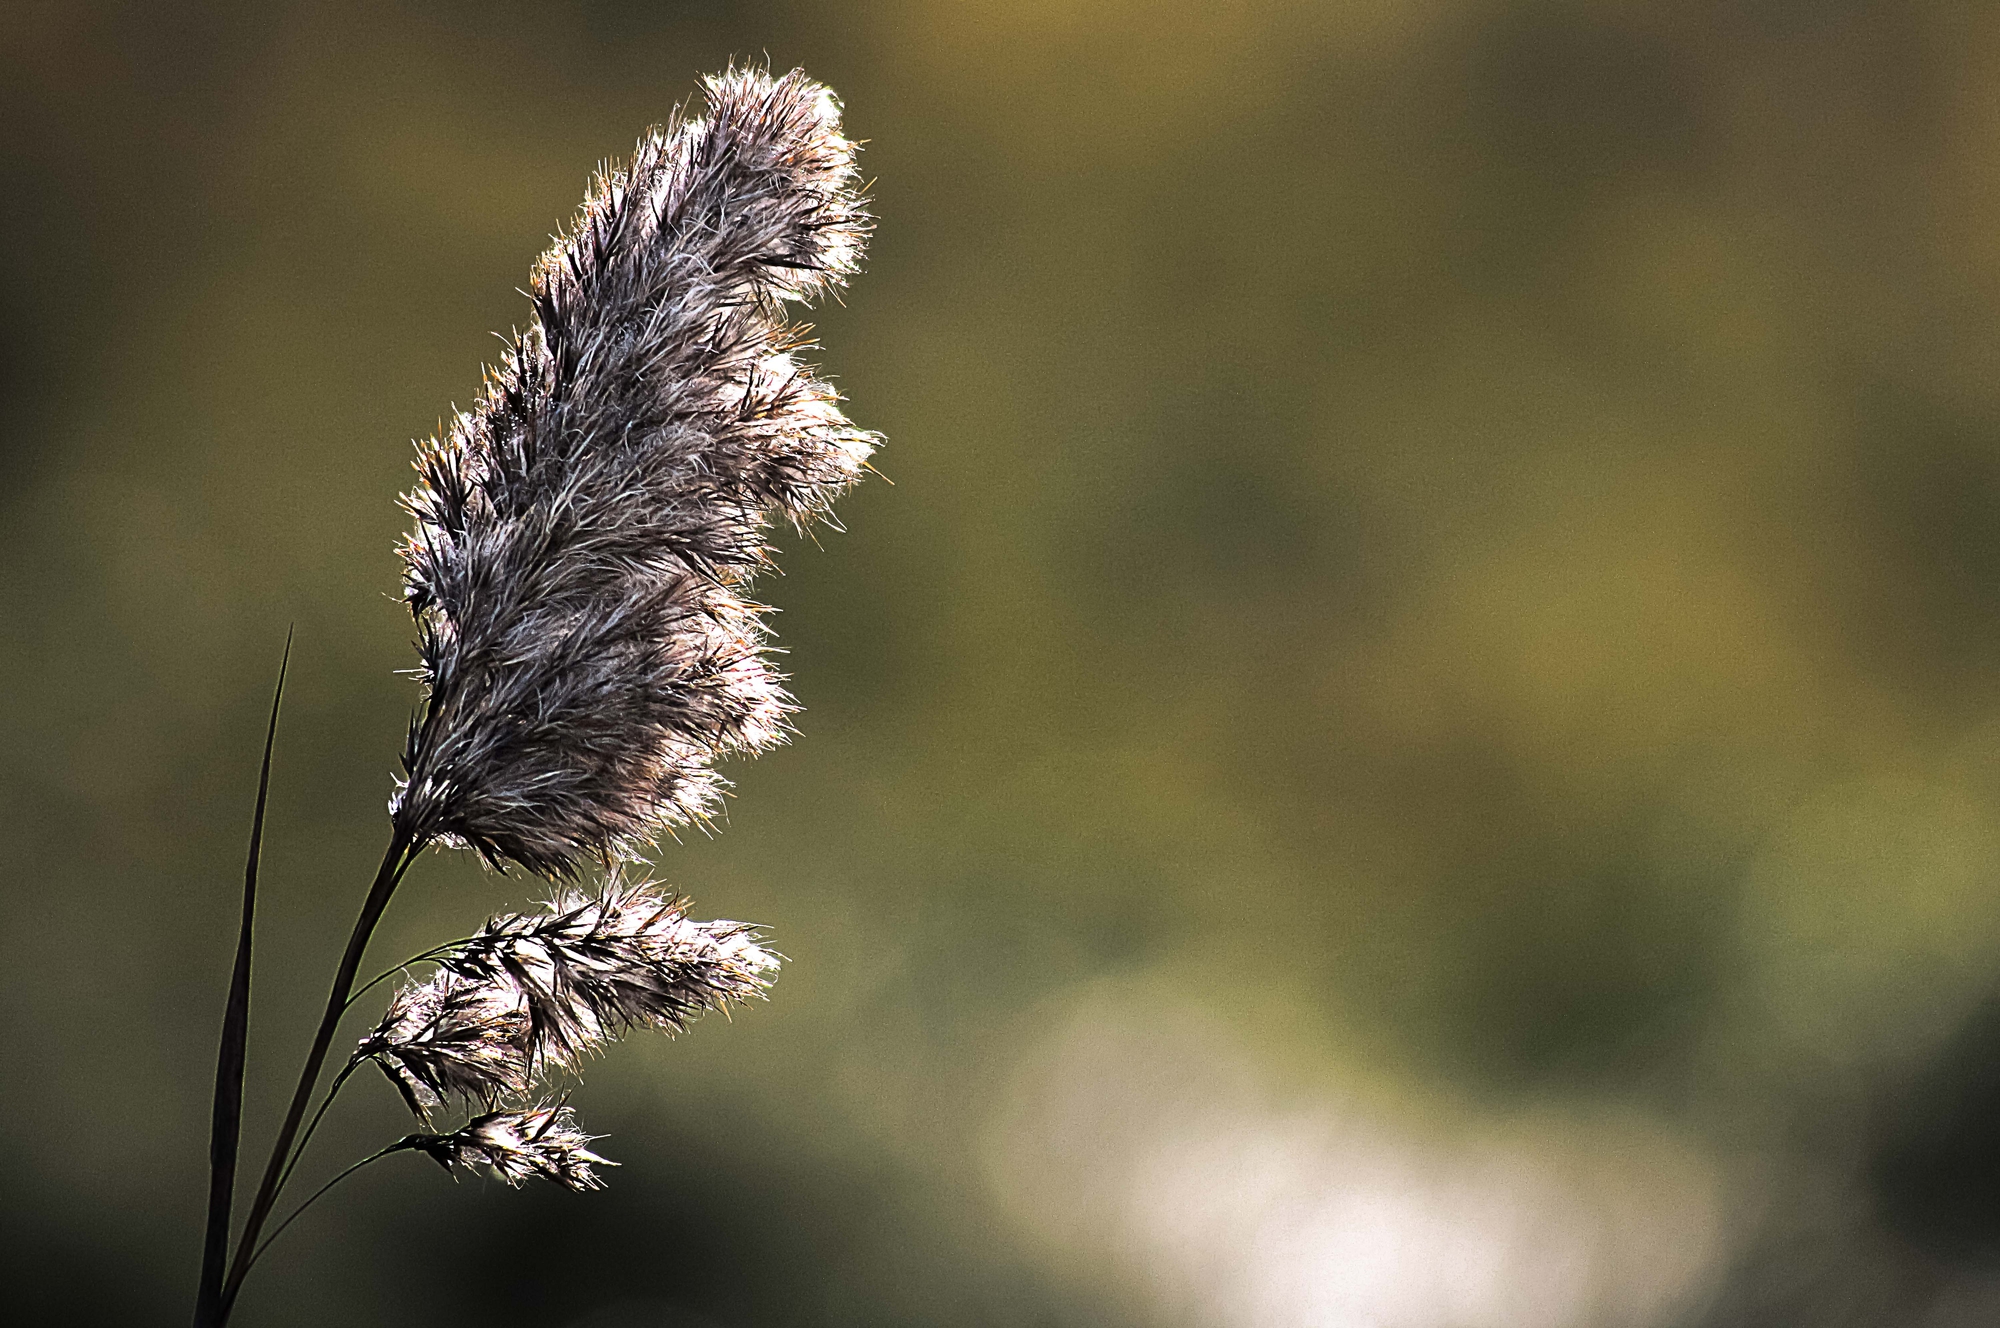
(536,992)
(579,568)
(586,533)
(519,1144)
(452,1036)
(589,968)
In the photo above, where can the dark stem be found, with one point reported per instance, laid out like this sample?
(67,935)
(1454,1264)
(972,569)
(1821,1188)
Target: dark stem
(402,1145)
(395,861)
(435,952)
(226,1127)
(305,1135)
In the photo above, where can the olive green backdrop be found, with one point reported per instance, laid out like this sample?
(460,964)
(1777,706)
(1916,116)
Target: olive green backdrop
(1413,745)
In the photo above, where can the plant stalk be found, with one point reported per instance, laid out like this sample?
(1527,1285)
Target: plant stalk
(395,861)
(226,1126)
(401,1145)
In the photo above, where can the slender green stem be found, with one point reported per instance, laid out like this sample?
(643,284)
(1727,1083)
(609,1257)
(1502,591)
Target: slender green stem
(347,1071)
(395,861)
(388,973)
(226,1128)
(401,1145)
(305,1135)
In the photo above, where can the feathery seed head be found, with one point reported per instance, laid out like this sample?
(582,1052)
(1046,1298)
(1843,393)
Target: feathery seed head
(585,534)
(534,992)
(519,1144)
(589,968)
(452,1036)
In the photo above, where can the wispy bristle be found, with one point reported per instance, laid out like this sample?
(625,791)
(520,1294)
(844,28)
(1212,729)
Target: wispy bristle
(452,1036)
(585,534)
(520,1144)
(534,992)
(589,968)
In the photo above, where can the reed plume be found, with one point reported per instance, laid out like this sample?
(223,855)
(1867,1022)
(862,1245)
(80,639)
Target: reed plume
(585,534)
(451,1036)
(579,568)
(518,1145)
(591,967)
(534,992)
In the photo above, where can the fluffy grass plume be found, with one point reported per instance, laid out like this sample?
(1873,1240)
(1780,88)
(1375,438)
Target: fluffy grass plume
(579,571)
(532,993)
(519,1144)
(585,535)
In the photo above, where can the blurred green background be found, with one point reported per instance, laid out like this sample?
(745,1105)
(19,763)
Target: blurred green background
(1412,747)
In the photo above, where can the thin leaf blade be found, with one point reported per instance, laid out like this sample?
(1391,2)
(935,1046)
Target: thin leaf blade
(226,1128)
